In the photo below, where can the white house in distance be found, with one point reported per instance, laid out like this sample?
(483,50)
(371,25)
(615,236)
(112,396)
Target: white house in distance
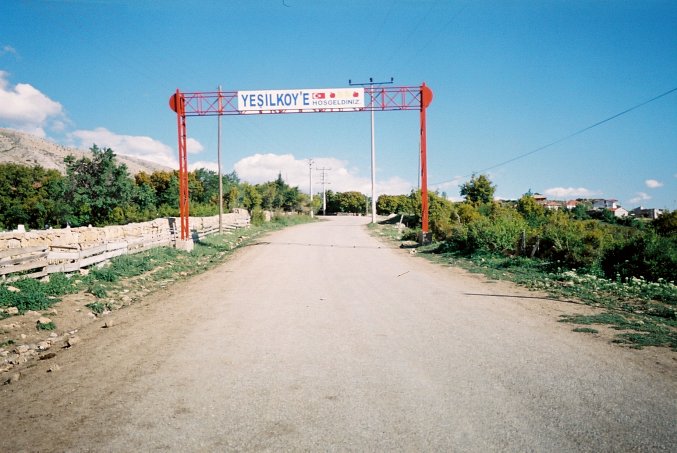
(601,203)
(619,212)
(610,204)
(597,204)
(647,213)
(571,204)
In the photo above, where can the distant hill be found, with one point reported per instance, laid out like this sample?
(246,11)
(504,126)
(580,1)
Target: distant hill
(26,149)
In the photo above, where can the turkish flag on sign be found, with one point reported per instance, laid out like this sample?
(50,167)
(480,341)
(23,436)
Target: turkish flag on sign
(318,95)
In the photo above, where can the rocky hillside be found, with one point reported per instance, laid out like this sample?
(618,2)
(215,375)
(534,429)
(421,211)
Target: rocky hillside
(26,149)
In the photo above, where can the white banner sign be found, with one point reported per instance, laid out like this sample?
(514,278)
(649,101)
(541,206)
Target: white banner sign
(300,100)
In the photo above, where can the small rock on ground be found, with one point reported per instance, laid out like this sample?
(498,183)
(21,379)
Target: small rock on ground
(13,379)
(72,341)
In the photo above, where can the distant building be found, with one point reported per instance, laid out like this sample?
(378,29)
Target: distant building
(646,213)
(571,204)
(538,198)
(596,204)
(619,212)
(553,205)
(602,203)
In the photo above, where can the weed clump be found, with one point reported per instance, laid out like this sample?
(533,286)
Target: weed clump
(46,326)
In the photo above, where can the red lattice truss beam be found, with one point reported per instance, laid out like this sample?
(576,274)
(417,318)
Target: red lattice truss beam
(213,103)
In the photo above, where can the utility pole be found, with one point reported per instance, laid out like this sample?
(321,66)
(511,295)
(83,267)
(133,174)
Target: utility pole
(324,188)
(219,163)
(371,84)
(310,172)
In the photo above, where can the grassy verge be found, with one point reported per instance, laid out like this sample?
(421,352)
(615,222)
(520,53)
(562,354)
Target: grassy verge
(644,312)
(128,277)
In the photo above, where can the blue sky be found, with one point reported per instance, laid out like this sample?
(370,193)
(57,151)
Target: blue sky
(508,77)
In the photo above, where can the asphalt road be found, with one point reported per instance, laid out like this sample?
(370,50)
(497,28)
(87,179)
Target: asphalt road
(321,338)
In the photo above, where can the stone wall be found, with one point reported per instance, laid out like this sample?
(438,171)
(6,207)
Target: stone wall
(42,252)
(164,229)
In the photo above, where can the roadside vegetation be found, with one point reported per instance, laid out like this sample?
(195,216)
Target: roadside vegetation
(98,191)
(627,268)
(128,277)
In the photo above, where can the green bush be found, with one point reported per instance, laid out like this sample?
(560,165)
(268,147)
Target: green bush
(573,243)
(46,326)
(97,290)
(666,224)
(258,217)
(97,307)
(105,274)
(204,209)
(32,295)
(59,284)
(499,234)
(649,256)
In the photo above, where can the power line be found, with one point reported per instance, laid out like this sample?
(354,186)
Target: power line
(585,129)
(420,52)
(407,39)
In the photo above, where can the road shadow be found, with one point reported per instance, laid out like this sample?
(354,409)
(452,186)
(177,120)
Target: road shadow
(568,301)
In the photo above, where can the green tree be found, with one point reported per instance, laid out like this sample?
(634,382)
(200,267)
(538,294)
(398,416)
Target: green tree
(386,204)
(231,197)
(95,187)
(209,186)
(478,190)
(32,196)
(532,212)
(666,224)
(580,212)
(231,184)
(271,199)
(467,213)
(292,199)
(393,204)
(276,195)
(250,197)
(349,202)
(166,186)
(144,200)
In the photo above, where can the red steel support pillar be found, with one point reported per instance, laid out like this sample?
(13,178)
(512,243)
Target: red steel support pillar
(178,103)
(426,99)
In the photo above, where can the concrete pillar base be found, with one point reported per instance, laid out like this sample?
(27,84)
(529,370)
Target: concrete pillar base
(185,244)
(425,238)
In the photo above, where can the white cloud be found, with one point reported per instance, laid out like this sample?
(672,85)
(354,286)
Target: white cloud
(213,166)
(653,184)
(7,49)
(261,168)
(452,185)
(193,146)
(570,192)
(25,108)
(640,196)
(129,145)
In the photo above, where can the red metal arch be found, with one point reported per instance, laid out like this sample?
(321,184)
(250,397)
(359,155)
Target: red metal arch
(218,103)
